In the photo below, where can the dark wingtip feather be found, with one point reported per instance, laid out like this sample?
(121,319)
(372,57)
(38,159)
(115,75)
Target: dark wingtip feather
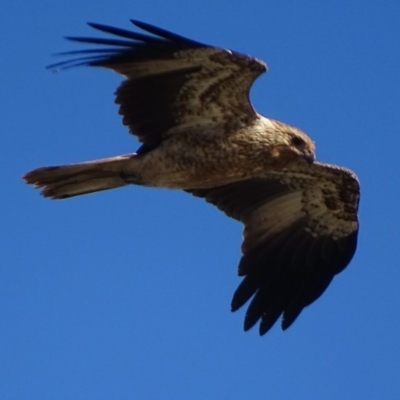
(164,33)
(81,61)
(96,25)
(289,316)
(102,41)
(243,293)
(124,33)
(125,42)
(250,322)
(267,323)
(112,30)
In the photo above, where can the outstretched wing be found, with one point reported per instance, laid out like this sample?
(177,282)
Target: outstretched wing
(300,231)
(173,83)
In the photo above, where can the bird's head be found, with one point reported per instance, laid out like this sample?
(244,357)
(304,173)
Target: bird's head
(294,144)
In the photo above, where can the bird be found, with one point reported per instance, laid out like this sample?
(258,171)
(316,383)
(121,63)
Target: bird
(188,104)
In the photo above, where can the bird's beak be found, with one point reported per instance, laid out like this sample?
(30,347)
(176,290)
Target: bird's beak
(309,156)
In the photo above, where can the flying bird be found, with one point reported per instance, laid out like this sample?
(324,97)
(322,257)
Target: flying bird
(188,104)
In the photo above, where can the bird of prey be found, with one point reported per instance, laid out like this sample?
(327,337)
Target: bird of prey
(188,104)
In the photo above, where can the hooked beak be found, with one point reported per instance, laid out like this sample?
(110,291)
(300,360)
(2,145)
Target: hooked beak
(309,156)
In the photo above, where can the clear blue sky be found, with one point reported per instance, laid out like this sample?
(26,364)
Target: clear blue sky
(125,294)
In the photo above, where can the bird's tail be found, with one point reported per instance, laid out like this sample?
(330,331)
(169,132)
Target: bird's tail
(60,182)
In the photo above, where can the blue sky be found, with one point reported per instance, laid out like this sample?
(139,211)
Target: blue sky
(125,294)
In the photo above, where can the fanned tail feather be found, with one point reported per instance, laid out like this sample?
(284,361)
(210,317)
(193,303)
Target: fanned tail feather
(61,182)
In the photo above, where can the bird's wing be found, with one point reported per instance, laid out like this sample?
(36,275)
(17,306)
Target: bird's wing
(173,83)
(300,231)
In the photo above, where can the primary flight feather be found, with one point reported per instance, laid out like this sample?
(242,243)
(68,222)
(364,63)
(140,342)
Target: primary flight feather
(188,104)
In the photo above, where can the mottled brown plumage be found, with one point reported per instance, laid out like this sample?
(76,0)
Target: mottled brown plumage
(188,103)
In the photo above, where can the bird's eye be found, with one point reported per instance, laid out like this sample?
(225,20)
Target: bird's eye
(298,141)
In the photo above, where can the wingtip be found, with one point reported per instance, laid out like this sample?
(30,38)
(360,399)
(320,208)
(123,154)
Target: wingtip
(134,21)
(249,322)
(265,327)
(96,25)
(140,24)
(247,326)
(285,324)
(289,317)
(72,38)
(235,306)
(165,34)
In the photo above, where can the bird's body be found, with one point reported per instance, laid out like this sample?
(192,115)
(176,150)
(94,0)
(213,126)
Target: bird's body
(195,158)
(188,104)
